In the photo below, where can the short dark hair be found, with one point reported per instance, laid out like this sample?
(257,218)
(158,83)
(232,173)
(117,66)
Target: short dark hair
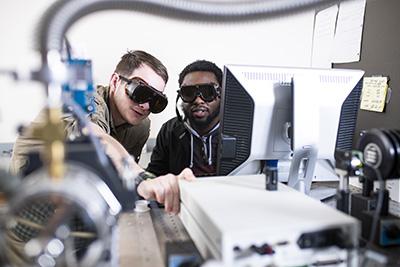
(201,65)
(134,59)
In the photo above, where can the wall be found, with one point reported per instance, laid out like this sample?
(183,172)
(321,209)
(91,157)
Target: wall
(105,36)
(380,55)
(19,102)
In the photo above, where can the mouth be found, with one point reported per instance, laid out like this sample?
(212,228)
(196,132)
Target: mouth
(199,112)
(137,112)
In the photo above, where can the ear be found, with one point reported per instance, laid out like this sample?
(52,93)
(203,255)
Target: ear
(114,82)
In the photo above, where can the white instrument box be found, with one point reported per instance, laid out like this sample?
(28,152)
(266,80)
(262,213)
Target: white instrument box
(234,220)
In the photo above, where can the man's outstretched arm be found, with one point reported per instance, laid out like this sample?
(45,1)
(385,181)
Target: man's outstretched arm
(164,189)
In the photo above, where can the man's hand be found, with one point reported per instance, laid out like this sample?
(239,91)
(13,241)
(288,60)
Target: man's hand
(165,189)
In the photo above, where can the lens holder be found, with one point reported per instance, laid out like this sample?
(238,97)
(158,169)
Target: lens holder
(381,153)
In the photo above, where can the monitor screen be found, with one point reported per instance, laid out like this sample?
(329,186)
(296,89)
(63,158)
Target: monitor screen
(272,112)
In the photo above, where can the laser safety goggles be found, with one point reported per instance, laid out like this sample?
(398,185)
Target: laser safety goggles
(207,91)
(140,92)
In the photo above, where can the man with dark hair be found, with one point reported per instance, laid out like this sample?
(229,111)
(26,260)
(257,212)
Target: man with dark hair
(121,122)
(191,141)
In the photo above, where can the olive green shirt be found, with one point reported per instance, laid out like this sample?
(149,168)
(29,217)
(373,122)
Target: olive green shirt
(132,137)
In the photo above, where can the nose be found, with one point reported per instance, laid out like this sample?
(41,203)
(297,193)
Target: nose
(145,106)
(198,99)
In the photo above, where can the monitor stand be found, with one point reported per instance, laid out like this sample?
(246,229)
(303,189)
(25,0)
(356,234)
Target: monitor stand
(322,192)
(307,156)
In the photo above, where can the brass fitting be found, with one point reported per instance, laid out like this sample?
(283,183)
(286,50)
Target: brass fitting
(52,134)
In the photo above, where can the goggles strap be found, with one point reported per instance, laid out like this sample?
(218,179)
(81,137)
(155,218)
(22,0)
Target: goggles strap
(176,109)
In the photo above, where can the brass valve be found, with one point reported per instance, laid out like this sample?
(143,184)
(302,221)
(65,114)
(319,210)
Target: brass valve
(52,134)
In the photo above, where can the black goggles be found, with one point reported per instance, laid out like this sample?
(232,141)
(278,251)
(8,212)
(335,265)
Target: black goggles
(207,91)
(140,92)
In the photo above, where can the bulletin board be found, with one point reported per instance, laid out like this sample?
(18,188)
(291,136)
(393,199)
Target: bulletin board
(380,55)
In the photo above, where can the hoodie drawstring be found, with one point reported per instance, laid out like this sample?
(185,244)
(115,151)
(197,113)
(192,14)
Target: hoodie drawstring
(204,142)
(210,150)
(191,149)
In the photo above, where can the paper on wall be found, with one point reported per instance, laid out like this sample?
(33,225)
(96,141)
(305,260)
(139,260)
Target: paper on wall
(349,26)
(323,37)
(373,94)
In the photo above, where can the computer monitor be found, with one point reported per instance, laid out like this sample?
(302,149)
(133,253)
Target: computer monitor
(276,112)
(256,113)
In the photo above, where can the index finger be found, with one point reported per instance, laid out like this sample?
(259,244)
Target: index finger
(187,174)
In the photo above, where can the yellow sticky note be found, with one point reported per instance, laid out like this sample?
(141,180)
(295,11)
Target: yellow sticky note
(373,94)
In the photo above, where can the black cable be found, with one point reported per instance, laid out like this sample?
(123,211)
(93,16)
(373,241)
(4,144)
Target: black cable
(376,214)
(68,48)
(378,206)
(178,115)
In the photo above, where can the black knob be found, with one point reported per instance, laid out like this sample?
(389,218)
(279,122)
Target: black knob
(393,231)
